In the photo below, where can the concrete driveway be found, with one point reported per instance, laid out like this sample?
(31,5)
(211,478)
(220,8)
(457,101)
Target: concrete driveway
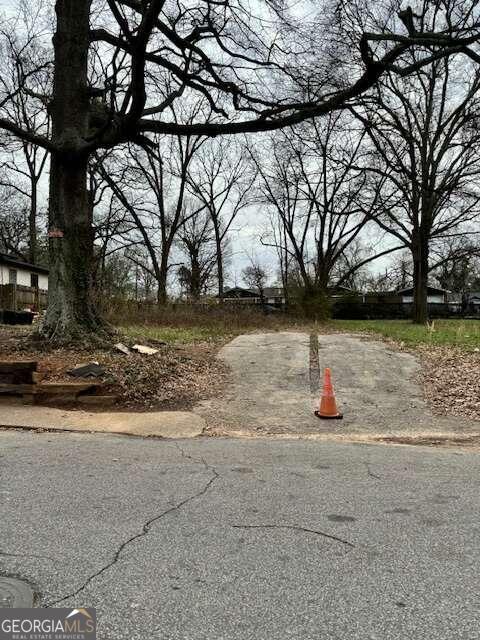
(216,539)
(276,381)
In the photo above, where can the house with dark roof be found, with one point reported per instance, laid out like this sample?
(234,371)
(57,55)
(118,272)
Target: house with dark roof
(471,303)
(239,293)
(273,296)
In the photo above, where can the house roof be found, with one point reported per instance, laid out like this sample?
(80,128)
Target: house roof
(341,287)
(430,289)
(239,292)
(12,261)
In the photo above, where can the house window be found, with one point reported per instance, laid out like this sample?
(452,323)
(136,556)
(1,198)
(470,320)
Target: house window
(34,280)
(12,276)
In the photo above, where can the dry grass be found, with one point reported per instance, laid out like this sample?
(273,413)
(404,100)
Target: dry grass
(186,323)
(183,372)
(449,351)
(186,369)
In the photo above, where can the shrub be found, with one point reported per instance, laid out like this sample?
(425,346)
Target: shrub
(309,304)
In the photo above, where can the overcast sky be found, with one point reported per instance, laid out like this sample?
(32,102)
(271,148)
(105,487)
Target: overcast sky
(251,224)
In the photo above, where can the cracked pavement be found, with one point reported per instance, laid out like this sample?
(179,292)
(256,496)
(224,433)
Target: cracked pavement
(230,539)
(275,380)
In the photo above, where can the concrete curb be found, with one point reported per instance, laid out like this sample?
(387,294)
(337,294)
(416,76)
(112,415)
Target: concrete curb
(160,424)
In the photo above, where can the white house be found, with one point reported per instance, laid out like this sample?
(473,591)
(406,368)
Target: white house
(20,273)
(434,295)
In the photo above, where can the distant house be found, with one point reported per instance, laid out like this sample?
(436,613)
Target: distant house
(274,296)
(339,291)
(236,294)
(22,285)
(381,297)
(435,295)
(471,302)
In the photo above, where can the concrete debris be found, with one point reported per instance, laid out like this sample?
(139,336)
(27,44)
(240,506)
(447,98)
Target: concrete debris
(122,348)
(147,351)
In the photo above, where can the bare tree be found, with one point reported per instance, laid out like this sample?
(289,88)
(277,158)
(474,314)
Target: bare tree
(14,231)
(256,277)
(23,162)
(456,265)
(114,235)
(151,185)
(117,279)
(119,66)
(222,180)
(314,182)
(425,135)
(197,241)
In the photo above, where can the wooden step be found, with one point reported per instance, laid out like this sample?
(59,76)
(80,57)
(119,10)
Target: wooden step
(17,371)
(7,366)
(17,389)
(63,392)
(64,388)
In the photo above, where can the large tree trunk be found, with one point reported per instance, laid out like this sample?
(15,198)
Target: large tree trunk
(420,278)
(71,314)
(162,297)
(323,276)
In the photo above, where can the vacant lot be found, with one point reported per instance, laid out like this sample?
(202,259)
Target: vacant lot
(185,324)
(450,355)
(186,370)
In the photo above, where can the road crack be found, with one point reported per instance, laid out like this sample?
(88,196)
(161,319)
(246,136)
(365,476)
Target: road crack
(370,472)
(294,528)
(145,529)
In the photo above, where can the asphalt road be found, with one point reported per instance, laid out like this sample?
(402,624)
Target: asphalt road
(229,539)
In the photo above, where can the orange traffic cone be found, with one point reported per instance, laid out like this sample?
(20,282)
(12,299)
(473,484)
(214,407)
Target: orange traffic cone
(328,406)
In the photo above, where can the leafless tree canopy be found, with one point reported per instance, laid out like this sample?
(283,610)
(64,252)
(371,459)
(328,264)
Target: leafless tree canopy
(255,69)
(126,73)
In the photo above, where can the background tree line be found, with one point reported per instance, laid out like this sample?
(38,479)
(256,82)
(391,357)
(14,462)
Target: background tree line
(369,144)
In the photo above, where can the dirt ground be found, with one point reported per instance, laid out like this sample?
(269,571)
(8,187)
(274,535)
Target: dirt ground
(174,378)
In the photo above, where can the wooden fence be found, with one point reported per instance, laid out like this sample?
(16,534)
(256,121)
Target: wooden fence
(17,297)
